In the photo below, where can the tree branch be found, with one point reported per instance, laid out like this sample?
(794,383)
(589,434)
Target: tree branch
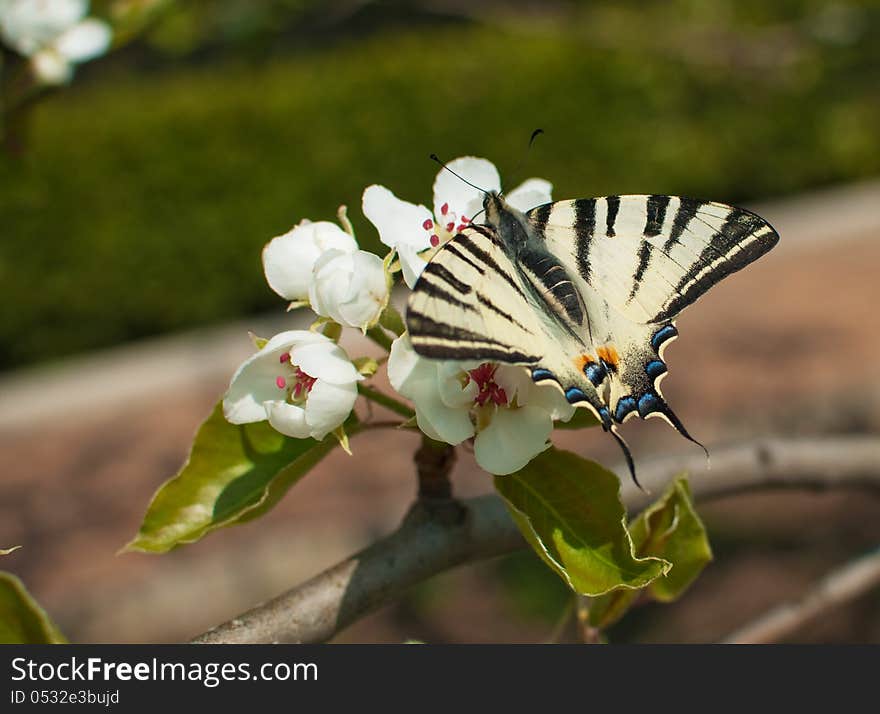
(423,546)
(846,583)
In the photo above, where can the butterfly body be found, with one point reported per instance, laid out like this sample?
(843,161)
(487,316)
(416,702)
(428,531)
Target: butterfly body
(583,292)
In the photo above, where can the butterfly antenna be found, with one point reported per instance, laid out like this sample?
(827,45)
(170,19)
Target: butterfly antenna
(627,454)
(434,157)
(535,134)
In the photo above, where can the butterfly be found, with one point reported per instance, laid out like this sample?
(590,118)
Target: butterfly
(584,292)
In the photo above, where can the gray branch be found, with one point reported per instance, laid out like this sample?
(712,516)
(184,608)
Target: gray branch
(429,541)
(838,587)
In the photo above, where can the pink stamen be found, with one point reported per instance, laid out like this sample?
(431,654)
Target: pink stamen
(428,224)
(284,358)
(461,227)
(489,390)
(465,219)
(449,227)
(304,382)
(444,209)
(280,382)
(435,240)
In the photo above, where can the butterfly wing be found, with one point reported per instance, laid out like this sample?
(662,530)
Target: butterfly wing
(650,257)
(639,261)
(473,303)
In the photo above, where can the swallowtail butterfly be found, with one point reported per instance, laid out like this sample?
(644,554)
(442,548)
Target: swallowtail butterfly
(585,293)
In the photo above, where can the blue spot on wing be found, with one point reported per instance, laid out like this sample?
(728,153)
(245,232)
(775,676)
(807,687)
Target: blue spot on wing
(573,394)
(648,403)
(655,368)
(625,405)
(595,372)
(539,375)
(664,334)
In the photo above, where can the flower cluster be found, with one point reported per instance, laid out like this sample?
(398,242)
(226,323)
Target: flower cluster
(304,383)
(54,35)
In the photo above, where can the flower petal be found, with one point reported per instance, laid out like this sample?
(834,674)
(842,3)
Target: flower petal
(51,68)
(28,26)
(328,405)
(368,291)
(349,287)
(513,438)
(288,259)
(442,423)
(289,419)
(530,193)
(549,398)
(416,378)
(456,195)
(411,263)
(326,361)
(85,40)
(399,223)
(253,383)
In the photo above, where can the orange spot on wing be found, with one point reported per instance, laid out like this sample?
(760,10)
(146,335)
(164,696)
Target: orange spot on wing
(582,361)
(608,353)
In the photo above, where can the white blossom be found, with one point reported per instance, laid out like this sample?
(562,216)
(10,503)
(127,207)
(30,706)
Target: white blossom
(54,34)
(510,416)
(289,259)
(412,230)
(349,287)
(301,381)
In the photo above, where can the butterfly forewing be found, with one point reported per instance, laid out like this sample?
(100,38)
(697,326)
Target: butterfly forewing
(651,256)
(469,304)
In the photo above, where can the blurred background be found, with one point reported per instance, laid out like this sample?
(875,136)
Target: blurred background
(134,204)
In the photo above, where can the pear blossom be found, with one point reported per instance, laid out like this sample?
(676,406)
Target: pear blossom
(412,229)
(349,287)
(301,381)
(54,34)
(289,259)
(509,416)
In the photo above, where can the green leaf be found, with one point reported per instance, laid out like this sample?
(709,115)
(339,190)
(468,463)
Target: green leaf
(582,419)
(7,551)
(234,473)
(670,529)
(22,620)
(570,512)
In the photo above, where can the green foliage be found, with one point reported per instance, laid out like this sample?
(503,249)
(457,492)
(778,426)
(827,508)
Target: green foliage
(143,201)
(22,620)
(670,529)
(234,473)
(569,511)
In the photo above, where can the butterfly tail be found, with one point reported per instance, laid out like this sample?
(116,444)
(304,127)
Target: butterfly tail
(627,454)
(673,419)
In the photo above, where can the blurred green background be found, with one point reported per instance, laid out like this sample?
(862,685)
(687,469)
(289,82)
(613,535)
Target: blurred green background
(147,188)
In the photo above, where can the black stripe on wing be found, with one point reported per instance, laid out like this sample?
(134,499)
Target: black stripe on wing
(584,230)
(539,216)
(613,203)
(646,250)
(436,268)
(742,239)
(687,209)
(469,245)
(438,293)
(431,338)
(656,215)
